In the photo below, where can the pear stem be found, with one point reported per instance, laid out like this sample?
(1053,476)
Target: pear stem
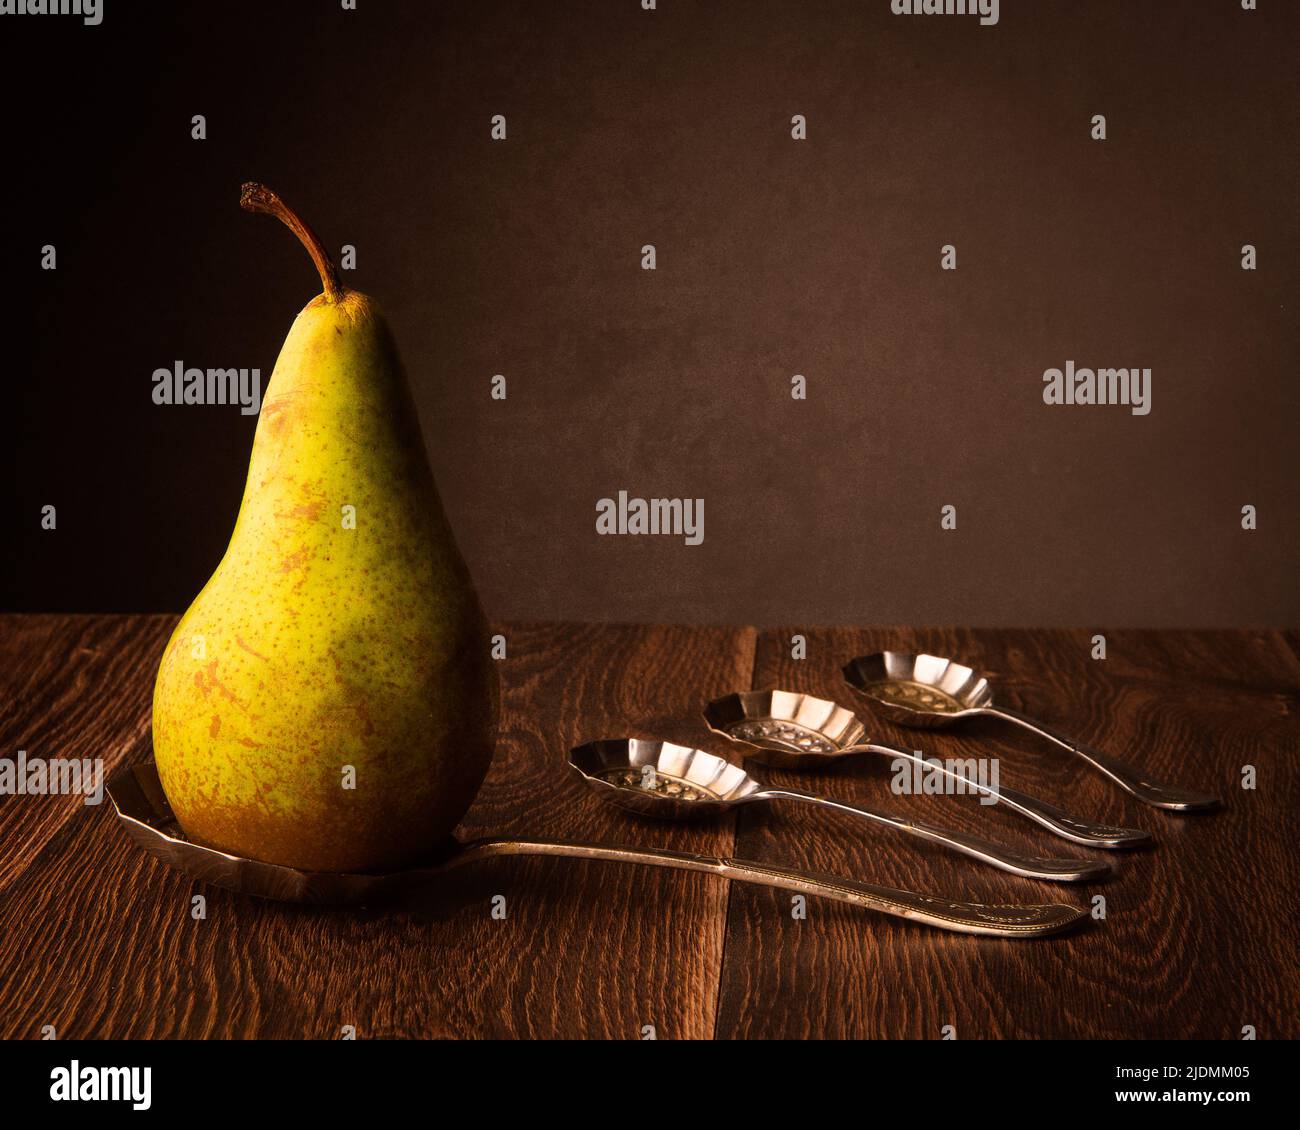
(256,197)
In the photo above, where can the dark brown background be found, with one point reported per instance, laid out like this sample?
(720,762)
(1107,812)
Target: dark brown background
(775,257)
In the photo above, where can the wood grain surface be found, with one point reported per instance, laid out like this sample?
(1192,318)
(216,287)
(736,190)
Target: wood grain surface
(73,687)
(1199,934)
(99,940)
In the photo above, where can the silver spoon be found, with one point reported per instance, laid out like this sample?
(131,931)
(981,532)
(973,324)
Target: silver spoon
(677,782)
(928,691)
(143,810)
(797,731)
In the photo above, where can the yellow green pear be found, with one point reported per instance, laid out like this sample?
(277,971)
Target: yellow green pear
(329,701)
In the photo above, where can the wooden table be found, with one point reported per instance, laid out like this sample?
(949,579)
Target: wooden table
(97,939)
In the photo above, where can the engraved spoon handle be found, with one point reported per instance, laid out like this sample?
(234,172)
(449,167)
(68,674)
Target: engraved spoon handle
(1018,921)
(1055,820)
(1032,867)
(1150,792)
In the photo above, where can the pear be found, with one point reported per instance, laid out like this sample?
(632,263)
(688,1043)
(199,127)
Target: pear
(328,702)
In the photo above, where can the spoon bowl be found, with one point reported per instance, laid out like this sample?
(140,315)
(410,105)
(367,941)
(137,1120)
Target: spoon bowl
(787,729)
(672,782)
(918,690)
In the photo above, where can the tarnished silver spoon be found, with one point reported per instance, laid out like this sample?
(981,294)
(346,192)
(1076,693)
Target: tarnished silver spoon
(677,782)
(798,731)
(148,819)
(929,691)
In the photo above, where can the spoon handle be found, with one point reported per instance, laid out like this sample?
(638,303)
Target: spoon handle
(1032,867)
(1056,820)
(996,920)
(1125,776)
